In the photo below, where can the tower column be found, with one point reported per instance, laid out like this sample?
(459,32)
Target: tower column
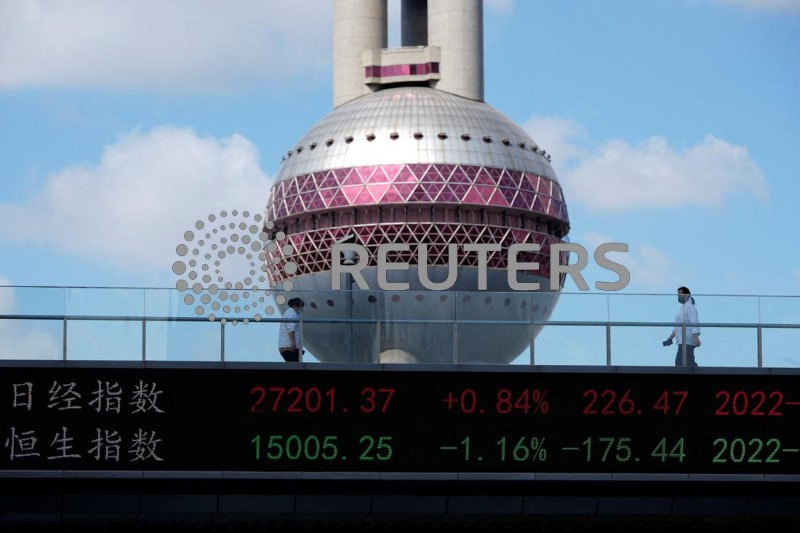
(456,26)
(358,25)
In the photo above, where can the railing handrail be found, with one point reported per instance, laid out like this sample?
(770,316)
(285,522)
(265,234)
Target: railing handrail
(278,319)
(145,305)
(562,292)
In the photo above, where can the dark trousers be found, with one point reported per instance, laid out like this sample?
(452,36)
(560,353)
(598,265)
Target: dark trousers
(689,355)
(290,355)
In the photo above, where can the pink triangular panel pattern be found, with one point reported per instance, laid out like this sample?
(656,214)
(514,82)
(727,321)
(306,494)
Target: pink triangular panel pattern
(364,173)
(446,170)
(470,171)
(315,203)
(364,197)
(327,195)
(392,196)
(419,170)
(418,184)
(340,174)
(484,178)
(528,182)
(338,199)
(554,208)
(498,199)
(405,176)
(507,181)
(419,195)
(351,193)
(434,189)
(391,171)
(458,175)
(515,177)
(353,178)
(520,235)
(379,176)
(495,173)
(473,197)
(405,189)
(329,181)
(520,201)
(537,205)
(508,194)
(485,192)
(378,190)
(435,174)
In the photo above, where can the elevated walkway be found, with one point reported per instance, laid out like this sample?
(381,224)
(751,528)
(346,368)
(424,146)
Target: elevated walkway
(585,329)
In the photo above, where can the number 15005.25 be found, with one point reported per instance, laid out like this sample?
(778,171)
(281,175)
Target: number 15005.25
(320,448)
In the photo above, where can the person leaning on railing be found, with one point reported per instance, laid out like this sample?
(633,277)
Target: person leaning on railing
(686,317)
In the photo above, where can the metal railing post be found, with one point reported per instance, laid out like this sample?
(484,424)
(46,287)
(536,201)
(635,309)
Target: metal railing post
(683,344)
(608,343)
(300,340)
(64,340)
(348,294)
(376,353)
(759,335)
(222,341)
(533,346)
(455,340)
(144,340)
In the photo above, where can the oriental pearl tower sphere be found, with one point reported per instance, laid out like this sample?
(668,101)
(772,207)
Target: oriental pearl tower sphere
(412,154)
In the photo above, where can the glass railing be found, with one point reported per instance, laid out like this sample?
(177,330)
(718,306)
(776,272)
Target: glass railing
(153,324)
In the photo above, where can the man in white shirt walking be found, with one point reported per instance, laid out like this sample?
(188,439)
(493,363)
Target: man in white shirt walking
(687,315)
(288,334)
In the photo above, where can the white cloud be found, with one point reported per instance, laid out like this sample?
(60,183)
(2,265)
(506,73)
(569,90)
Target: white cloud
(792,6)
(653,174)
(649,266)
(619,176)
(132,208)
(593,239)
(153,43)
(502,7)
(558,136)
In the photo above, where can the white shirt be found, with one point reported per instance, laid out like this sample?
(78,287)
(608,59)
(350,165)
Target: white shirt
(283,333)
(687,314)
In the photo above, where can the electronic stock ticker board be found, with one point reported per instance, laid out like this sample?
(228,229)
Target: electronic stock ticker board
(285,419)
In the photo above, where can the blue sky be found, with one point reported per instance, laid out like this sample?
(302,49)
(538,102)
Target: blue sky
(674,127)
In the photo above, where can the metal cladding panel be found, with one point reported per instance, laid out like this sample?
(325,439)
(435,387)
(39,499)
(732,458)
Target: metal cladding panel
(406,125)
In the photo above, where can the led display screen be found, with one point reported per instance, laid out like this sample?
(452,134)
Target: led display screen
(283,419)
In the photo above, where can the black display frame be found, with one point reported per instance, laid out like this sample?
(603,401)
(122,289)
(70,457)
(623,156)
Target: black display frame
(400,421)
